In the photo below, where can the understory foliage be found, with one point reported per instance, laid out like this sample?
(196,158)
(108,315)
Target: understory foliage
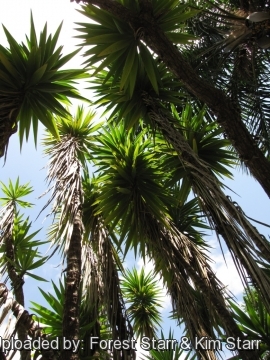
(146,179)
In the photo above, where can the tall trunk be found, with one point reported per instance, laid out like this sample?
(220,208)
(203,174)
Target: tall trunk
(181,258)
(220,211)
(17,283)
(119,322)
(92,283)
(71,313)
(226,111)
(106,290)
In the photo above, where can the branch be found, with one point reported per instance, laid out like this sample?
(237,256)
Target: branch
(228,116)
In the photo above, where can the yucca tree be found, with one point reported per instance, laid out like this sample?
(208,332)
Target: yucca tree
(32,84)
(19,252)
(67,160)
(184,133)
(137,200)
(125,31)
(130,92)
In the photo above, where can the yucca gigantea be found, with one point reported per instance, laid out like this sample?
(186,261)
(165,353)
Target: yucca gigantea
(67,159)
(187,139)
(32,86)
(17,255)
(136,200)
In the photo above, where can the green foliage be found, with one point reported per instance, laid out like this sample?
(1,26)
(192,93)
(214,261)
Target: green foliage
(26,254)
(32,84)
(254,320)
(114,43)
(130,108)
(14,193)
(143,296)
(205,139)
(132,179)
(51,315)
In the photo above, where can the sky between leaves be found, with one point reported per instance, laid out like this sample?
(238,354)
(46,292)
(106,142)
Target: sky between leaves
(15,15)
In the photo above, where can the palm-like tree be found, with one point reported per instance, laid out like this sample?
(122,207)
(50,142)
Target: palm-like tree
(19,253)
(32,86)
(81,234)
(138,96)
(136,26)
(187,144)
(136,199)
(68,155)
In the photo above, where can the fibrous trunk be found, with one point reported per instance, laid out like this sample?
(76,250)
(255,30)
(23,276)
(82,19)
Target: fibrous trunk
(219,209)
(72,290)
(197,295)
(104,287)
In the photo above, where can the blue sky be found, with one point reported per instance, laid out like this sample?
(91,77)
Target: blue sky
(29,164)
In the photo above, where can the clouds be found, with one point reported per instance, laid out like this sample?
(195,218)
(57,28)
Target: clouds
(225,270)
(227,273)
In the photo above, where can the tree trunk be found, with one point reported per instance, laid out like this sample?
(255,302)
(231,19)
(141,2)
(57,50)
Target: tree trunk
(17,284)
(227,113)
(173,245)
(219,210)
(119,322)
(71,314)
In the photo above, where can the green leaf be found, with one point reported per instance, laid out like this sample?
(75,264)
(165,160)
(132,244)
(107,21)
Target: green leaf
(149,66)
(36,277)
(37,76)
(118,45)
(128,65)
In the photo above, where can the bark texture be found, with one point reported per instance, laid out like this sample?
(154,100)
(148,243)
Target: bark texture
(227,113)
(72,291)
